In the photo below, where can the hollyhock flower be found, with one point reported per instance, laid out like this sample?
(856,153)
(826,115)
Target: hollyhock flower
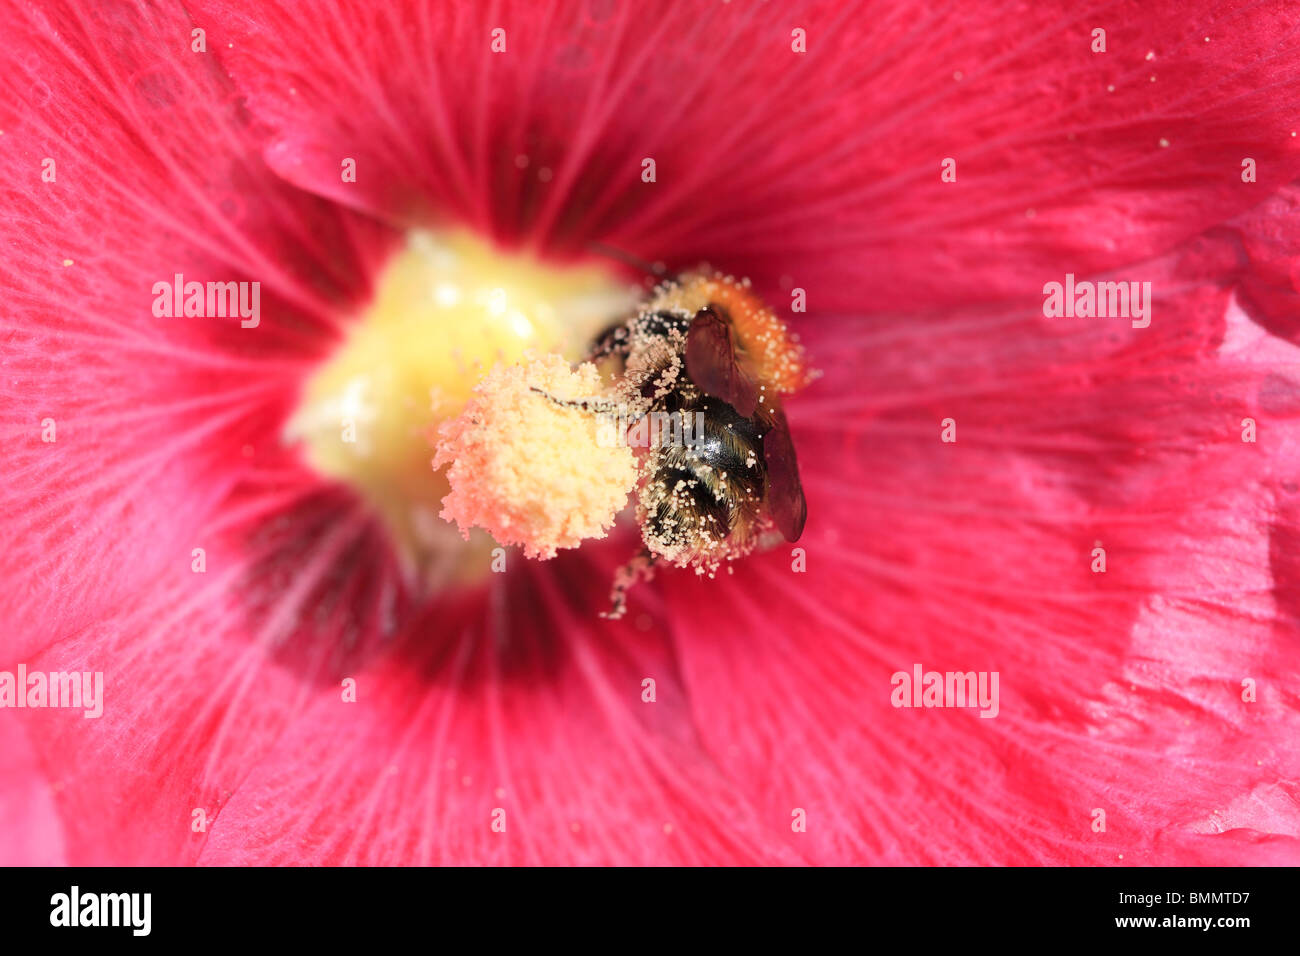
(302,664)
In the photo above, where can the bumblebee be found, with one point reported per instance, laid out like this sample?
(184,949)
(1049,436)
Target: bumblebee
(708,360)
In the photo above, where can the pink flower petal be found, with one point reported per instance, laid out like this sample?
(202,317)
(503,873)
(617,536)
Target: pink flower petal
(1121,691)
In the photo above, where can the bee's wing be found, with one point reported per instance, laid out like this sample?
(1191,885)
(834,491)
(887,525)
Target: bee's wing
(712,364)
(785,500)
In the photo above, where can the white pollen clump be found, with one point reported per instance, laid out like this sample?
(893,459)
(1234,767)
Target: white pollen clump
(529,470)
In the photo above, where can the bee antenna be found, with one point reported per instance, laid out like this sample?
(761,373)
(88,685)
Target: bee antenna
(656,269)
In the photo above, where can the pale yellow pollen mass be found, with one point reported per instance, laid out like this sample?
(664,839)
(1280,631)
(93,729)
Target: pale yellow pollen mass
(446,307)
(532,471)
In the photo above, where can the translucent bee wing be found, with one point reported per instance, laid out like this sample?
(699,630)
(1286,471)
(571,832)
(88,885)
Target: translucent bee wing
(785,500)
(712,364)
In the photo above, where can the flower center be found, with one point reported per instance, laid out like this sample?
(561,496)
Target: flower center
(446,308)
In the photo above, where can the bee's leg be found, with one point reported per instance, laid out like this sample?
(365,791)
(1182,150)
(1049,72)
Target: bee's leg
(600,406)
(640,568)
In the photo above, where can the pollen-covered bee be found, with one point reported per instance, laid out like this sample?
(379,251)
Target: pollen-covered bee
(706,361)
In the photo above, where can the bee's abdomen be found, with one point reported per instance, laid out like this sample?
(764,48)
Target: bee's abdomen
(699,494)
(686,508)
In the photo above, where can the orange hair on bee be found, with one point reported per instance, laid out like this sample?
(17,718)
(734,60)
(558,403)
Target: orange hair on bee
(773,352)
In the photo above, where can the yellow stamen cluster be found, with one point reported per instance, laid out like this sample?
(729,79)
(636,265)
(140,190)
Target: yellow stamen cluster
(446,306)
(530,470)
